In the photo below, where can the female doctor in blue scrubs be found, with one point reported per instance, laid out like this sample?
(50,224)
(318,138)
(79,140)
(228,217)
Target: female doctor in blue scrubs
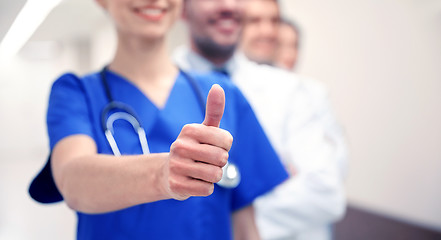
(171,192)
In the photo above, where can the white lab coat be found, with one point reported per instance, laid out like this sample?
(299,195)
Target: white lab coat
(296,116)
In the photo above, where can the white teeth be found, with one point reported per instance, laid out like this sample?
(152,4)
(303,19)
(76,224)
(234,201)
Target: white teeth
(151,11)
(226,23)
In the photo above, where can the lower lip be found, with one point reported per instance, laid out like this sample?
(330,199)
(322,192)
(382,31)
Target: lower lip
(154,18)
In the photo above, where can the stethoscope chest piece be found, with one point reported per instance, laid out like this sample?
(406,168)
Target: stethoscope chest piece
(230,177)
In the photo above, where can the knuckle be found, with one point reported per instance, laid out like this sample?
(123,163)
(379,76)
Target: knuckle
(189,129)
(177,144)
(176,186)
(178,168)
(174,166)
(185,129)
(179,147)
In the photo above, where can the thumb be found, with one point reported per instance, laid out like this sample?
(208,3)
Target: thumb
(215,106)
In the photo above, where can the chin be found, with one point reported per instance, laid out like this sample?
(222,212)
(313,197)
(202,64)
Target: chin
(226,42)
(153,34)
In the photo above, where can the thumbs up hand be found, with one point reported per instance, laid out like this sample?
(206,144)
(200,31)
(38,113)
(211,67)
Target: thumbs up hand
(201,150)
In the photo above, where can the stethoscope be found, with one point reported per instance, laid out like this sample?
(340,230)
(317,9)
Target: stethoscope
(122,111)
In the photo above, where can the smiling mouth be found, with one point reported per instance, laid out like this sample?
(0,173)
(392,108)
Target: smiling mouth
(150,13)
(226,25)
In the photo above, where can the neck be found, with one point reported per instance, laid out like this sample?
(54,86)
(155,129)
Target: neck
(142,60)
(146,64)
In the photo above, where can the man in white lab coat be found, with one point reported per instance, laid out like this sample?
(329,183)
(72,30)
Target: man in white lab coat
(295,113)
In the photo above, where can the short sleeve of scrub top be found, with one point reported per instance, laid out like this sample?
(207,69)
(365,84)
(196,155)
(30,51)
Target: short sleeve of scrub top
(67,114)
(75,107)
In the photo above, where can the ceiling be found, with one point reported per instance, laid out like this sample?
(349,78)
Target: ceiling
(70,19)
(8,11)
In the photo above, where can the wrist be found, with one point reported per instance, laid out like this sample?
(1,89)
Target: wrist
(160,177)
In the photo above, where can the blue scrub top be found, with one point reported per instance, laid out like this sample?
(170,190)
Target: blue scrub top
(75,107)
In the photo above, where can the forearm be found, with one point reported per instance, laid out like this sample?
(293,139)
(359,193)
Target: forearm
(96,183)
(102,183)
(244,225)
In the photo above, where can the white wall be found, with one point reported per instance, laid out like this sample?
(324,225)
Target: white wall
(381,60)
(24,89)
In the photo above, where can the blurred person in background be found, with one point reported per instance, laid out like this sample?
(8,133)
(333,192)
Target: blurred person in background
(294,111)
(127,189)
(287,50)
(259,35)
